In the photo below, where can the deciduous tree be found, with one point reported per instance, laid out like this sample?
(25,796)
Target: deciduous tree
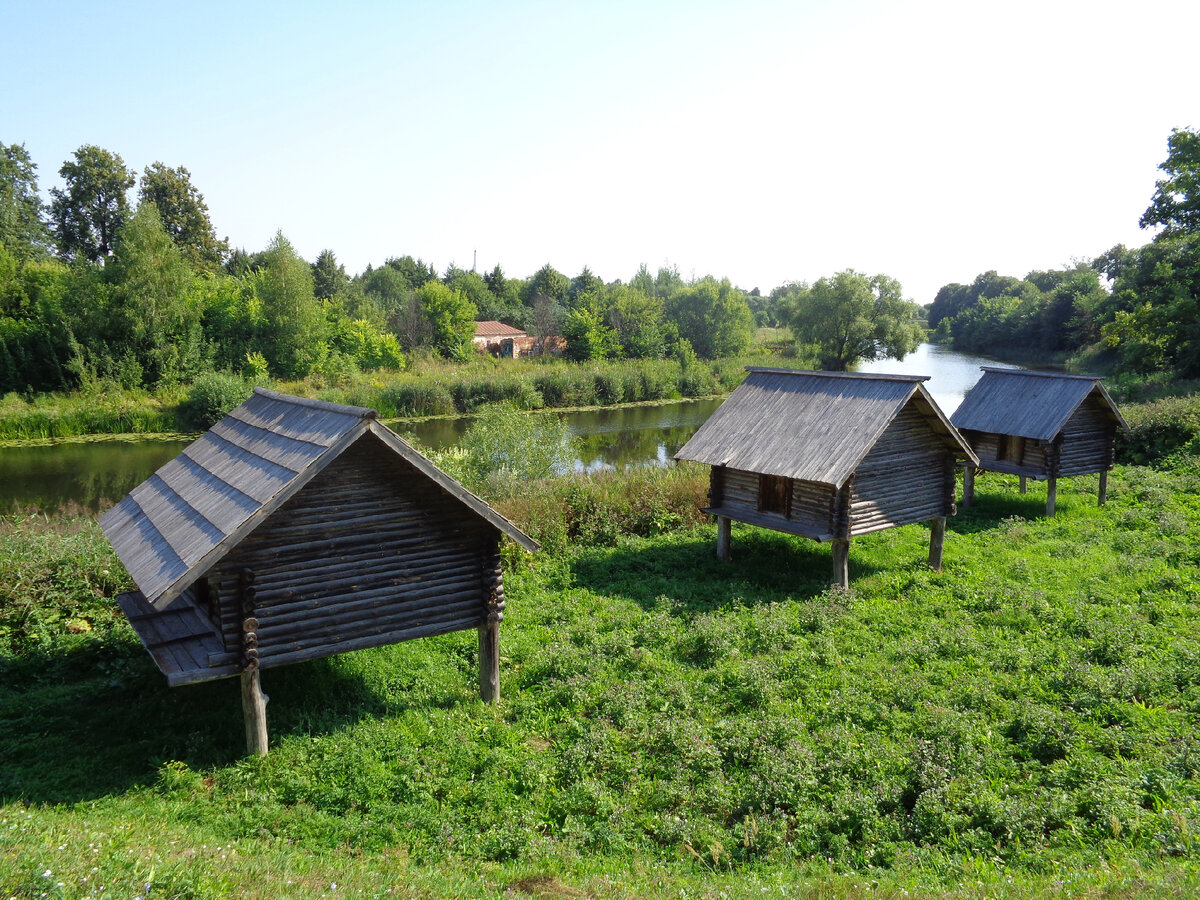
(1176,201)
(22,229)
(851,316)
(184,215)
(93,207)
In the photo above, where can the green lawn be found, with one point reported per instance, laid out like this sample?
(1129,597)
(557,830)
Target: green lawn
(1024,723)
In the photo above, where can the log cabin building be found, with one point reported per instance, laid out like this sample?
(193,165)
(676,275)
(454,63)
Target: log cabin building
(296,529)
(829,456)
(1039,425)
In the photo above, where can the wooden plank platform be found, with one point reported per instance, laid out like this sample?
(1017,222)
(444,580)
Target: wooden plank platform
(180,640)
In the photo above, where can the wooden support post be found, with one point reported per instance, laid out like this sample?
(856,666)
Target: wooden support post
(1051,494)
(841,562)
(254,701)
(723,533)
(489,662)
(1103,487)
(937,540)
(489,629)
(968,485)
(254,712)
(1023,485)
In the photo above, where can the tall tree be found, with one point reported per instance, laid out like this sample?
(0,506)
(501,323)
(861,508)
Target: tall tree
(22,229)
(294,325)
(1176,201)
(451,318)
(329,278)
(89,212)
(184,215)
(151,317)
(713,316)
(550,283)
(851,316)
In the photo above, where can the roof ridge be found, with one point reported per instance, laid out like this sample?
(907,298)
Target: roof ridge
(1038,374)
(360,412)
(864,376)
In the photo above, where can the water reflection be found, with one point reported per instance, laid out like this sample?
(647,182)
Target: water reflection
(951,374)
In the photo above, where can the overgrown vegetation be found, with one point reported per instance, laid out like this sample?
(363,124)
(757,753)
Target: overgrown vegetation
(1026,719)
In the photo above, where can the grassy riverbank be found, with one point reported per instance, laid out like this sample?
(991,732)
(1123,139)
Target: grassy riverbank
(431,388)
(1023,723)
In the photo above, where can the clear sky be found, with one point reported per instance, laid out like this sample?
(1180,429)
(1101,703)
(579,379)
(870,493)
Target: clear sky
(760,141)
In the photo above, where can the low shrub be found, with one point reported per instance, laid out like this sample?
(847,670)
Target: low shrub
(210,397)
(1163,428)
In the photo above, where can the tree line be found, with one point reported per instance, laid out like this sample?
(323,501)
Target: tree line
(1137,310)
(144,294)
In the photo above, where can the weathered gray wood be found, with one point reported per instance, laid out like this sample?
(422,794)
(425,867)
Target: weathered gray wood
(723,535)
(301,653)
(1021,485)
(254,712)
(841,562)
(937,540)
(968,485)
(489,662)
(1103,495)
(1051,494)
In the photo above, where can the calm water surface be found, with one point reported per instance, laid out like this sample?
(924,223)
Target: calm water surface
(96,474)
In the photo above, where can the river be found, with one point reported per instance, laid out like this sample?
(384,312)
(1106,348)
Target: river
(92,475)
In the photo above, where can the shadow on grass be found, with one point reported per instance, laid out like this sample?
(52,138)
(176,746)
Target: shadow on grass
(99,719)
(766,566)
(990,509)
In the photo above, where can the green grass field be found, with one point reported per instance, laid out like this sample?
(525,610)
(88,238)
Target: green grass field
(1023,723)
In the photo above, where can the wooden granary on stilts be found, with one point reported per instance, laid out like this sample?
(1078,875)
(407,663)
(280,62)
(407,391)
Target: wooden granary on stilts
(296,529)
(830,455)
(1039,425)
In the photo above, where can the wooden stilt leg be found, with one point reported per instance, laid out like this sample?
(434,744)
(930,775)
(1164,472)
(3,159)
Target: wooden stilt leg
(841,562)
(968,485)
(1051,494)
(489,662)
(723,532)
(1103,487)
(937,540)
(254,712)
(1024,486)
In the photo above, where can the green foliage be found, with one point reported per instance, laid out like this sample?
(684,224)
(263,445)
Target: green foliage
(851,317)
(210,397)
(1176,201)
(22,229)
(150,315)
(588,337)
(293,331)
(184,215)
(505,446)
(329,277)
(451,318)
(1158,431)
(93,207)
(712,315)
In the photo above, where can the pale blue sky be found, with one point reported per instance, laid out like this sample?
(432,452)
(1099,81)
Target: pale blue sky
(762,141)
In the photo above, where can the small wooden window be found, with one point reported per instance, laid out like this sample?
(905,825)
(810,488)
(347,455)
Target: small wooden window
(775,494)
(1012,448)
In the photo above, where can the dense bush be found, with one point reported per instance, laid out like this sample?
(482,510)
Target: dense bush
(1160,429)
(210,397)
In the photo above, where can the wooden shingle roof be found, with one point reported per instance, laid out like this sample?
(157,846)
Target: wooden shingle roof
(173,527)
(811,426)
(1028,404)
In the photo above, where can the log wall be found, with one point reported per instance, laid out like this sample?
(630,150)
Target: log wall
(908,476)
(362,556)
(812,503)
(1087,440)
(1035,462)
